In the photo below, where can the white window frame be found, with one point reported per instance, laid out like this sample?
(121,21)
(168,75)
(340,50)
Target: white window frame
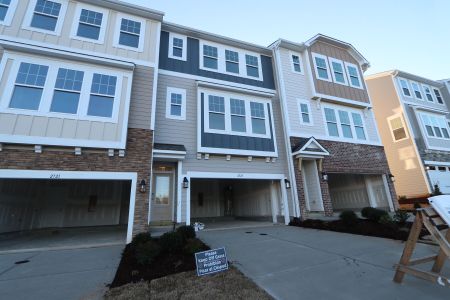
(182,92)
(184,49)
(76,23)
(314,55)
(291,57)
(49,88)
(434,95)
(408,85)
(143,22)
(10,14)
(344,70)
(336,109)
(59,23)
(221,61)
(430,115)
(403,125)
(248,117)
(419,90)
(361,84)
(302,101)
(433,98)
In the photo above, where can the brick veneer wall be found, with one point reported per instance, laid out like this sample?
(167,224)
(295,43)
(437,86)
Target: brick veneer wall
(138,158)
(345,158)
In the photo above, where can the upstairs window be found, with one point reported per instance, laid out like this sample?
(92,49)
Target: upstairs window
(216,106)
(437,93)
(237,110)
(90,24)
(427,91)
(346,126)
(435,126)
(296,63)
(252,65)
(350,121)
(4,6)
(45,15)
(210,57)
(258,118)
(416,89)
(321,67)
(176,104)
(398,128)
(353,75)
(29,85)
(177,46)
(130,32)
(330,117)
(405,88)
(103,91)
(359,126)
(338,72)
(305,117)
(232,61)
(66,96)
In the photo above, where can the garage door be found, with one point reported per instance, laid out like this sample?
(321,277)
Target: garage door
(441,177)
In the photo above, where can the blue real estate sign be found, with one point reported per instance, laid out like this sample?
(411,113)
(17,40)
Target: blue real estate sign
(211,261)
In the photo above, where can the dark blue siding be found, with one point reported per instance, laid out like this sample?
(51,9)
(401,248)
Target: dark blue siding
(191,65)
(236,142)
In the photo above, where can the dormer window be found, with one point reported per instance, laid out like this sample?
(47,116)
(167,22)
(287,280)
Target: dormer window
(46,15)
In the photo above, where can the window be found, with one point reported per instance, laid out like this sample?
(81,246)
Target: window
(4,5)
(427,91)
(398,129)
(216,112)
(90,24)
(345,124)
(210,57)
(130,32)
(321,67)
(416,89)
(296,63)
(103,91)
(237,109)
(359,126)
(442,169)
(437,93)
(337,68)
(258,118)
(330,118)
(29,86)
(232,61)
(46,15)
(435,126)
(176,104)
(177,46)
(66,96)
(305,118)
(252,65)
(405,87)
(353,75)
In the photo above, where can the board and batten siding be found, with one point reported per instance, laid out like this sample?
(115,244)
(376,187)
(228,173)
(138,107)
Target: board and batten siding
(331,88)
(64,39)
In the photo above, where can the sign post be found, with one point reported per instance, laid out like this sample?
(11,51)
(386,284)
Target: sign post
(211,261)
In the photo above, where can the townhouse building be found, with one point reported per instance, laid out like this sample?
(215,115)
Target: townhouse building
(335,153)
(78,88)
(219,146)
(413,118)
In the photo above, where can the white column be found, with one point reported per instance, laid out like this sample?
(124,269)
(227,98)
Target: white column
(388,193)
(285,202)
(179,189)
(188,202)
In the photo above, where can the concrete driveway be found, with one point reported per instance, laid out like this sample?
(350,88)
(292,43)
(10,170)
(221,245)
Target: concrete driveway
(58,274)
(297,263)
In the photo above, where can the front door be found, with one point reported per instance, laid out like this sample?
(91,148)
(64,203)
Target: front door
(162,197)
(311,184)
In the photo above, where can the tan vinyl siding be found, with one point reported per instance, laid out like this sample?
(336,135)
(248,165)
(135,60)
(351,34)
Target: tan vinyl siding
(334,89)
(141,98)
(402,157)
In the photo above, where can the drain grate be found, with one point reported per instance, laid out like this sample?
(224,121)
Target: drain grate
(21,262)
(263,234)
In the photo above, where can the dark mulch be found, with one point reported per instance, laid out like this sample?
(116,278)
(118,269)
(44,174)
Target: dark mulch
(361,227)
(165,264)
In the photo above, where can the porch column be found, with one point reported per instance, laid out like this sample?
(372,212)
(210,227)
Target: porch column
(326,198)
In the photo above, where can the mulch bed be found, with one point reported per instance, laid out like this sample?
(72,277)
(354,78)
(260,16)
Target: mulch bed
(165,264)
(362,227)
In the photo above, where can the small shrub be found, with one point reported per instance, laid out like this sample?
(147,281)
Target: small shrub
(141,238)
(385,219)
(373,214)
(186,232)
(401,217)
(348,217)
(193,246)
(147,252)
(171,242)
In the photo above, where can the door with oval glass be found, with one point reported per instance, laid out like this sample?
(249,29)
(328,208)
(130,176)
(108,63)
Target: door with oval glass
(162,197)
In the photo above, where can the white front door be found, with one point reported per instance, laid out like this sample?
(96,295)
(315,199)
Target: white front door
(311,185)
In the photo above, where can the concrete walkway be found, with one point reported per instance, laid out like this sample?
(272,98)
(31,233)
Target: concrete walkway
(62,274)
(297,263)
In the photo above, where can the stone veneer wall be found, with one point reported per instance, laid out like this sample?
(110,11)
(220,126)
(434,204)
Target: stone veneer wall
(345,158)
(138,158)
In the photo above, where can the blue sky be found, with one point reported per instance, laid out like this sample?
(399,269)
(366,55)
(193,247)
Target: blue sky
(410,35)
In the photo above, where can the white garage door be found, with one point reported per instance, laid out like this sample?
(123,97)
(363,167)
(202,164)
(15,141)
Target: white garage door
(441,177)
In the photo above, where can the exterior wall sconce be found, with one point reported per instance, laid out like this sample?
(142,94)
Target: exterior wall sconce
(392,177)
(324,176)
(427,168)
(143,187)
(287,183)
(185,183)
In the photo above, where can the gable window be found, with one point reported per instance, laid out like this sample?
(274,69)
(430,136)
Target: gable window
(437,93)
(232,61)
(258,118)
(29,86)
(353,75)
(176,104)
(216,106)
(90,24)
(321,67)
(130,32)
(398,129)
(46,15)
(103,91)
(345,124)
(405,88)
(435,126)
(237,110)
(296,63)
(66,96)
(252,65)
(416,89)
(338,73)
(210,57)
(359,126)
(305,118)
(427,91)
(330,117)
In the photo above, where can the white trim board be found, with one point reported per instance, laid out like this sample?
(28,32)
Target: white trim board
(56,175)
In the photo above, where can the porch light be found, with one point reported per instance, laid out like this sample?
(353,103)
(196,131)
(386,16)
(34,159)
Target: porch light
(185,183)
(143,187)
(427,168)
(324,176)
(392,177)
(287,183)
